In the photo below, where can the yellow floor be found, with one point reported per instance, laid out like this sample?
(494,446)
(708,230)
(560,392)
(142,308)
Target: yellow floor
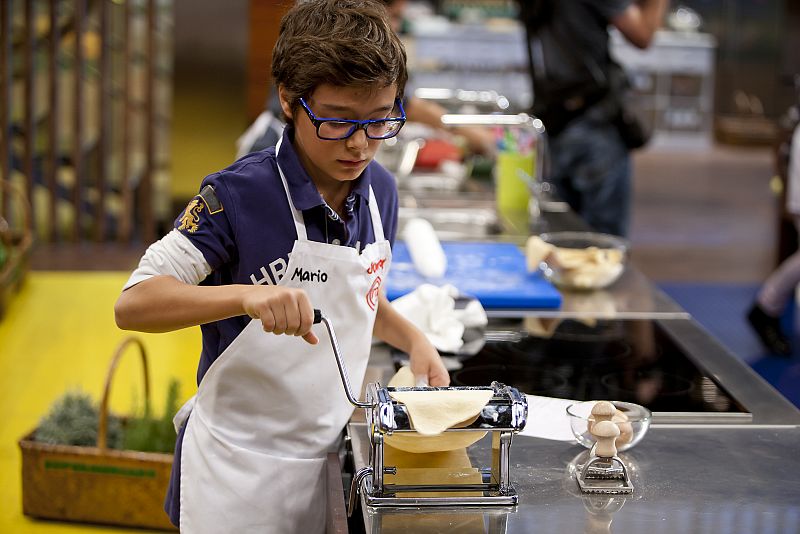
(59,333)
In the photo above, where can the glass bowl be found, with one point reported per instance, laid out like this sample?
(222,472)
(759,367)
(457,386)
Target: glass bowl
(633,430)
(584,260)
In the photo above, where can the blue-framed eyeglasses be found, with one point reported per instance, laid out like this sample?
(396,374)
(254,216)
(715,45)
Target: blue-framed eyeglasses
(337,129)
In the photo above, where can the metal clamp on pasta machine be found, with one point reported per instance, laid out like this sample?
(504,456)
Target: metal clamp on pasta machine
(504,415)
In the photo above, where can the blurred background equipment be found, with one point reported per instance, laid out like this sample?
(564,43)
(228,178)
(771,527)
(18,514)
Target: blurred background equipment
(85,115)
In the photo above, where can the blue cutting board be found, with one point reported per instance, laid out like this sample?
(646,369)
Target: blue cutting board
(494,273)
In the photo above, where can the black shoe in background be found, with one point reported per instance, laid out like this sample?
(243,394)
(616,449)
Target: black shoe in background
(768,329)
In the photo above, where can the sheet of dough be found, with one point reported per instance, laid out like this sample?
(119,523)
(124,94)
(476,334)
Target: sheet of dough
(432,412)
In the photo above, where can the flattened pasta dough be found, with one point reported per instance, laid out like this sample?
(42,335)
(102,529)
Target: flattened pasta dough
(434,411)
(403,378)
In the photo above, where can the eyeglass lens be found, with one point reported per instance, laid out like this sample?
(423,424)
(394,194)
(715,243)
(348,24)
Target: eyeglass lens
(375,130)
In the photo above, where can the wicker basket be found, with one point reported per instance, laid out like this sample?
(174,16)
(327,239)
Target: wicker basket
(97,484)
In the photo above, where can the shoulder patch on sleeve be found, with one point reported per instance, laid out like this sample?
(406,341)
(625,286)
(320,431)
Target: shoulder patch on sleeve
(210,199)
(190,220)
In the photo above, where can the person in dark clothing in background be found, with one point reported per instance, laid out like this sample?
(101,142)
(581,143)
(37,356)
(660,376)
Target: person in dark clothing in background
(577,92)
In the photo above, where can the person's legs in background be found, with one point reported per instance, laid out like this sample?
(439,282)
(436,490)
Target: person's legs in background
(776,292)
(591,172)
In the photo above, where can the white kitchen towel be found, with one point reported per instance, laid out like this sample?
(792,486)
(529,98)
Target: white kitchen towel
(793,176)
(432,309)
(472,315)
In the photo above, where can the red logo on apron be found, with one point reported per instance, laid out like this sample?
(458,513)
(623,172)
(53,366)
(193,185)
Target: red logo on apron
(372,294)
(375,266)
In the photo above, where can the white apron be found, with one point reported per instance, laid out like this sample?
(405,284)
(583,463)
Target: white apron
(271,406)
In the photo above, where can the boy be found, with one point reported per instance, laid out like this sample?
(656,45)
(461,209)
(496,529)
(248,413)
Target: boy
(278,233)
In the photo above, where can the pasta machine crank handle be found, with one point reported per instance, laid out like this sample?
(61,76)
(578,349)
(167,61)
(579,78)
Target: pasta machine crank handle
(320,317)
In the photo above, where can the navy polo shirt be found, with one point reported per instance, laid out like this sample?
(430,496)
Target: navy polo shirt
(245,231)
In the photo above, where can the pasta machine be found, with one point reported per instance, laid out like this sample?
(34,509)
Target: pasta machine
(503,416)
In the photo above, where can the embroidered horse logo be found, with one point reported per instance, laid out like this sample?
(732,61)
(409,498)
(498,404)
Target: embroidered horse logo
(190,219)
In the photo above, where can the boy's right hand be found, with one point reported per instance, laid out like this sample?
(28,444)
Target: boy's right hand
(281,310)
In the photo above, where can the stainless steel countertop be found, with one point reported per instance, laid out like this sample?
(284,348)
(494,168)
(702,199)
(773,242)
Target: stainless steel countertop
(699,479)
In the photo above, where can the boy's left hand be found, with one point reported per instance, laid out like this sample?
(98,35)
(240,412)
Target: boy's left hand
(425,361)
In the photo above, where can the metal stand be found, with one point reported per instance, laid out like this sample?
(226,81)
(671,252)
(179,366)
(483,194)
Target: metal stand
(496,486)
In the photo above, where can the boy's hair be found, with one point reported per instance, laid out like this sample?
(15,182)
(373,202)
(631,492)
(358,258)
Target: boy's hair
(348,43)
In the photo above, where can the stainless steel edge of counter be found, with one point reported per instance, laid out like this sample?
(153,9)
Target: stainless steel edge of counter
(764,402)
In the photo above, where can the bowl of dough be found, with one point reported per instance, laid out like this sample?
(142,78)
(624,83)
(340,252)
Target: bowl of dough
(578,260)
(632,420)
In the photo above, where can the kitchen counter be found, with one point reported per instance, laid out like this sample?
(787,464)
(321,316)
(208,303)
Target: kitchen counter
(703,473)
(700,479)
(713,473)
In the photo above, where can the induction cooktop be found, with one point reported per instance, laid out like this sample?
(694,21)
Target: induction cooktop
(631,360)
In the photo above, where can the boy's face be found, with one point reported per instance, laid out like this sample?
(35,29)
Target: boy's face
(330,163)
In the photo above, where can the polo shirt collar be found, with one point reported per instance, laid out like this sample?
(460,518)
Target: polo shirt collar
(304,193)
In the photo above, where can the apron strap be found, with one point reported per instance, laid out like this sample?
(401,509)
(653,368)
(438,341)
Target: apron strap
(377,224)
(297,215)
